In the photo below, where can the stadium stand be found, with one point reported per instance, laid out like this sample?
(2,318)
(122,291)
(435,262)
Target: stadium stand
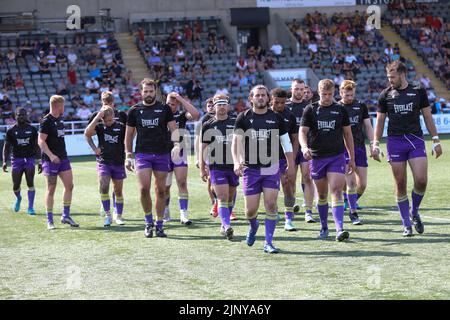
(426,28)
(341,47)
(35,65)
(193,57)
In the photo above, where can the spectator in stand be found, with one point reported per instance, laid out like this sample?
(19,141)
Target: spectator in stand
(83,113)
(277,49)
(188,33)
(194,89)
(373,86)
(269,62)
(62,88)
(44,66)
(8,82)
(34,68)
(212,48)
(107,56)
(51,56)
(240,105)
(11,56)
(72,76)
(243,81)
(313,49)
(179,53)
(61,59)
(92,85)
(233,80)
(94,71)
(315,63)
(241,64)
(222,46)
(72,57)
(222,89)
(141,35)
(76,100)
(102,42)
(19,83)
(104,87)
(88,99)
(425,82)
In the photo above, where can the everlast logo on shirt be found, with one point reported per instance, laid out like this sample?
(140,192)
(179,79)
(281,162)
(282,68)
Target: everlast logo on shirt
(261,134)
(354,120)
(150,123)
(326,125)
(400,108)
(23,142)
(224,139)
(111,139)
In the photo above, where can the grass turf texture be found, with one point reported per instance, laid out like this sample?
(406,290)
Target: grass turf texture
(196,262)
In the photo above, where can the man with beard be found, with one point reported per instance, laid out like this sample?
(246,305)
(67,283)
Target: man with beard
(149,120)
(257,134)
(403,103)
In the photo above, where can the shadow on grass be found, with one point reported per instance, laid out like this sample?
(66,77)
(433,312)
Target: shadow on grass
(353,253)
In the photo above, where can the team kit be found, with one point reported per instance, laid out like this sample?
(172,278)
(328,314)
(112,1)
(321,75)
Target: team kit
(264,148)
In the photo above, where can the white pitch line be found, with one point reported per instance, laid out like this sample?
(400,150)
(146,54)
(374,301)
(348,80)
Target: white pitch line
(441,219)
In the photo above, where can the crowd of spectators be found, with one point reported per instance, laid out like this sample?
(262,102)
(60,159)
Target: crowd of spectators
(102,60)
(430,30)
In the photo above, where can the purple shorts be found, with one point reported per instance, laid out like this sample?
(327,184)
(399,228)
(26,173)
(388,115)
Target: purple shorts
(53,169)
(405,147)
(182,162)
(224,177)
(360,157)
(320,167)
(283,166)
(255,181)
(116,172)
(157,162)
(22,164)
(299,158)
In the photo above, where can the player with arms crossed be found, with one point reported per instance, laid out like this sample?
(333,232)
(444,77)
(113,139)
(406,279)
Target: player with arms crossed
(403,103)
(149,120)
(324,134)
(110,159)
(55,162)
(216,138)
(258,132)
(21,144)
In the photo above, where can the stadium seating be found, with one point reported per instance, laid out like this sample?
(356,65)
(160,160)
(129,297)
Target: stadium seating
(219,65)
(325,27)
(426,33)
(38,87)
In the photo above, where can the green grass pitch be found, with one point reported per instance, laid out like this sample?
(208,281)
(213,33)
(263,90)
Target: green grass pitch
(196,262)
